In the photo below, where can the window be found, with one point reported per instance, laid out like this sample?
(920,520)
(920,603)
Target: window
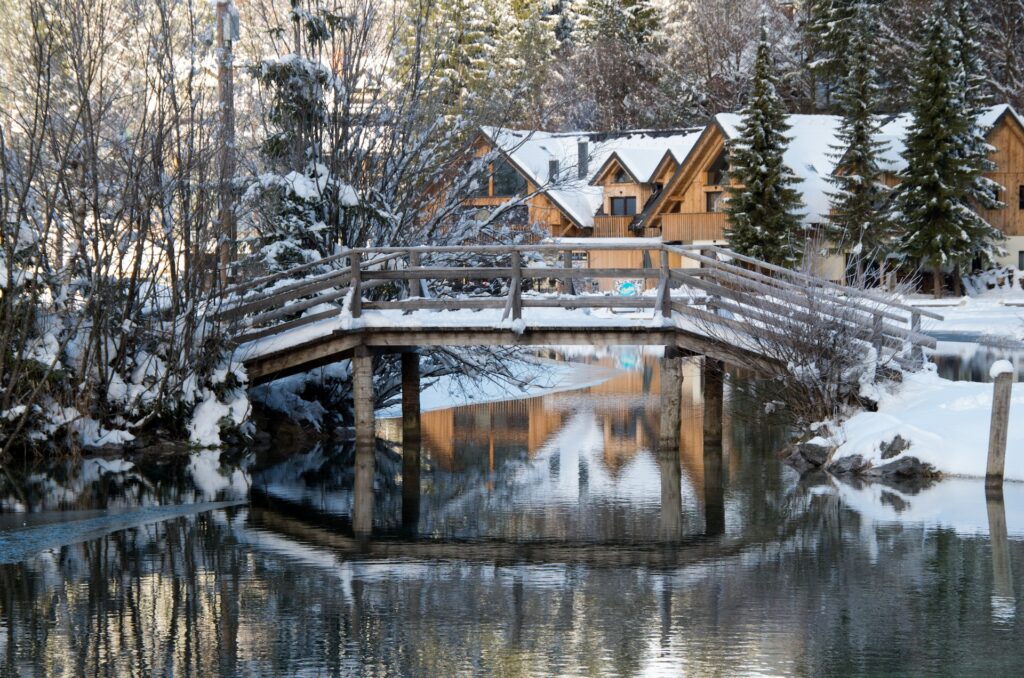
(1020,198)
(507,181)
(623,207)
(1020,260)
(716,173)
(713,201)
(620,177)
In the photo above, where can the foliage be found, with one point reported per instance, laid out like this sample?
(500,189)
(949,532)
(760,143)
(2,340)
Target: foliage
(858,220)
(762,205)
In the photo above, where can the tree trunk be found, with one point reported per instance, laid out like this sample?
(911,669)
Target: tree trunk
(958,289)
(937,281)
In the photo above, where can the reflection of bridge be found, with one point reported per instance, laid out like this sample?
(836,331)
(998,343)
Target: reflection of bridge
(709,302)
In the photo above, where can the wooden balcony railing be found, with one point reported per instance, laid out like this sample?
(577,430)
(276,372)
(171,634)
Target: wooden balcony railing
(612,227)
(694,226)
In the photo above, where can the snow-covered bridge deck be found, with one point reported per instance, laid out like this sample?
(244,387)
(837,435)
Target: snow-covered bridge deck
(702,300)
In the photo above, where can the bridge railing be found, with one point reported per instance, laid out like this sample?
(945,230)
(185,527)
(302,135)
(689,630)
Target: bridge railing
(710,286)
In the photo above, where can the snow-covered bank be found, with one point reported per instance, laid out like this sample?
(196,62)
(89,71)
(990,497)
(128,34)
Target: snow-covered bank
(997,312)
(946,423)
(540,377)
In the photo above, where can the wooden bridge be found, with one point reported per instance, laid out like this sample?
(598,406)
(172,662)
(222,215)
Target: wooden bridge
(693,300)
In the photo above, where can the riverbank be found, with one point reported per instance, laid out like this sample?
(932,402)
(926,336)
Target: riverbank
(941,423)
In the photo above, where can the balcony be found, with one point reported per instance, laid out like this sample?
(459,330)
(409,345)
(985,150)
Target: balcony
(695,226)
(612,227)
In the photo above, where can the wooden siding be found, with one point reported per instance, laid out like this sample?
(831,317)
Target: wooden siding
(695,226)
(612,227)
(1008,140)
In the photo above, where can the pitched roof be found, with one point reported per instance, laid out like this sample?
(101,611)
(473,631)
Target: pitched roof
(639,151)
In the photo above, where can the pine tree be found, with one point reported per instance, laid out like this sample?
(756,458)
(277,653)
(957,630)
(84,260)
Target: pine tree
(633,22)
(933,205)
(858,219)
(762,208)
(983,192)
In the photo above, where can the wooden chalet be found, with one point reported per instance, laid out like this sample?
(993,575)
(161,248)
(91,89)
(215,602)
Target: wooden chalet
(690,207)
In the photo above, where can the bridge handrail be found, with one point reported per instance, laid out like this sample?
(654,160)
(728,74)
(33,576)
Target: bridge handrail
(867,294)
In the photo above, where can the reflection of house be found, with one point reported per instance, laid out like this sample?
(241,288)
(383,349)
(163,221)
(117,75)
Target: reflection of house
(689,208)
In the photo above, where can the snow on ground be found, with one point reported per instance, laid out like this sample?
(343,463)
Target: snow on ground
(947,423)
(541,377)
(997,312)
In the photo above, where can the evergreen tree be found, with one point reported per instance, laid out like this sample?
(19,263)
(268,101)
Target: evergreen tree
(858,219)
(633,22)
(983,192)
(762,208)
(933,205)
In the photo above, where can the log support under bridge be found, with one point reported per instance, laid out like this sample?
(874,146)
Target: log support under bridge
(411,439)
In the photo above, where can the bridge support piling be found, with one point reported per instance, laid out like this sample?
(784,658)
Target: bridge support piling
(714,484)
(671,399)
(362,394)
(411,439)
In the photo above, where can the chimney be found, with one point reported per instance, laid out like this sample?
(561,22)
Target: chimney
(583,163)
(553,171)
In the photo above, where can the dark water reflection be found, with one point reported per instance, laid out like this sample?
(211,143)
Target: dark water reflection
(554,537)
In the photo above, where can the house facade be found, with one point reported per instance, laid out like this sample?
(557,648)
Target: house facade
(689,208)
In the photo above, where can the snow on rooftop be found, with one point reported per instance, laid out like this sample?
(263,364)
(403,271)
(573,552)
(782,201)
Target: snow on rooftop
(532,152)
(811,156)
(812,152)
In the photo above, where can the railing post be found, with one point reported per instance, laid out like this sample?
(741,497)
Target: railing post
(876,334)
(916,353)
(355,263)
(665,283)
(516,285)
(414,283)
(567,286)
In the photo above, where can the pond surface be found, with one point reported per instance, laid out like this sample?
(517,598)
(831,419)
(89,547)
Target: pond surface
(551,536)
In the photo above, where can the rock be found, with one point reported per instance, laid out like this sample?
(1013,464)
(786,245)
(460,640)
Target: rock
(852,464)
(798,462)
(894,448)
(815,453)
(905,467)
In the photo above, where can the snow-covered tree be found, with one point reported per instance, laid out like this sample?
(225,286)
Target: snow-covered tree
(763,206)
(1002,39)
(933,205)
(858,220)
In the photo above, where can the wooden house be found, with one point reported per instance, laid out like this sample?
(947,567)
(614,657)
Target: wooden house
(576,184)
(1005,133)
(690,207)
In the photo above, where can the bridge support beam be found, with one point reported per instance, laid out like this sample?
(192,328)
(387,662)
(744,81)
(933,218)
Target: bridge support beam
(714,485)
(411,439)
(362,394)
(671,399)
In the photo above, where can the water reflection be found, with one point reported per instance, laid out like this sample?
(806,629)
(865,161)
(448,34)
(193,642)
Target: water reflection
(553,536)
(971,362)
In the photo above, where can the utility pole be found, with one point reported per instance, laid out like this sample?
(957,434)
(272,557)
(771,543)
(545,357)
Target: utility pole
(227,34)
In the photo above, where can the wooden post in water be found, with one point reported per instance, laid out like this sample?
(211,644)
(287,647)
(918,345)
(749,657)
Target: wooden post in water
(670,405)
(671,399)
(1003,388)
(713,387)
(411,439)
(362,394)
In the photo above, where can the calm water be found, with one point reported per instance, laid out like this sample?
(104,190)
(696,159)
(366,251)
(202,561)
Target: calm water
(551,537)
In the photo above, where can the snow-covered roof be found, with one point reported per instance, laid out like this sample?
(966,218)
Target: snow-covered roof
(531,152)
(810,155)
(894,132)
(641,153)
